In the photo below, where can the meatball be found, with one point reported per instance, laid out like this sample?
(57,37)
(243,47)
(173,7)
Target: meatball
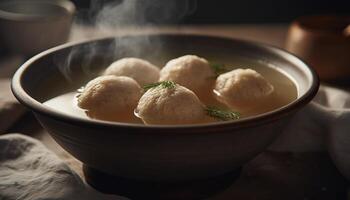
(242,89)
(110,97)
(141,70)
(170,103)
(189,71)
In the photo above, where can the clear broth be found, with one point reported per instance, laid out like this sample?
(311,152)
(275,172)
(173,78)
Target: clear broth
(285,91)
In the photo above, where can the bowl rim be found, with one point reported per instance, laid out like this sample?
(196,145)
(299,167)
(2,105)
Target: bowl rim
(263,118)
(66,5)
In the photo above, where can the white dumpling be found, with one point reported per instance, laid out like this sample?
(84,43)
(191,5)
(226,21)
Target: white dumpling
(140,70)
(189,71)
(109,97)
(170,104)
(242,89)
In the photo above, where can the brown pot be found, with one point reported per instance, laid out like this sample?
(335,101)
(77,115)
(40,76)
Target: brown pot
(324,43)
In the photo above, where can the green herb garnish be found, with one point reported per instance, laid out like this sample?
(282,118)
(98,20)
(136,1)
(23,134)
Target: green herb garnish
(218,68)
(163,84)
(224,115)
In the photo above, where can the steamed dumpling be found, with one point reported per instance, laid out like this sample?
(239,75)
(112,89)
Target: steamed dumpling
(110,97)
(140,70)
(170,103)
(242,89)
(189,71)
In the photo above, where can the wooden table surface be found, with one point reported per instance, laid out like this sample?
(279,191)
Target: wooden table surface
(270,175)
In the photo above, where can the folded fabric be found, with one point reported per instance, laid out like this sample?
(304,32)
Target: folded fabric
(323,125)
(10,109)
(29,171)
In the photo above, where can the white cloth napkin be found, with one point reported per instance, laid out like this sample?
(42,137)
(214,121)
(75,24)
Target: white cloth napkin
(10,109)
(29,171)
(323,125)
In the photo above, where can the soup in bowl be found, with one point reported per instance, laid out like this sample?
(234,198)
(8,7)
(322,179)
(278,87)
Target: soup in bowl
(134,149)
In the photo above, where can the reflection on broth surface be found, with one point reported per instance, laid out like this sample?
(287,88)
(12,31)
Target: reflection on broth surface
(285,91)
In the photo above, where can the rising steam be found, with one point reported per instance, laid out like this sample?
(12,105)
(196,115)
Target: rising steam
(117,15)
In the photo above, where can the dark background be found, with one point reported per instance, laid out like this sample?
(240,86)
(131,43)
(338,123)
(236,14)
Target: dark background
(242,11)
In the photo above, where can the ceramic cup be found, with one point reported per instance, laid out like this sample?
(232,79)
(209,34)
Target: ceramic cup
(324,43)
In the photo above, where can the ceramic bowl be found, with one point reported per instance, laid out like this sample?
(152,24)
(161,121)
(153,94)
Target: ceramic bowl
(155,153)
(29,27)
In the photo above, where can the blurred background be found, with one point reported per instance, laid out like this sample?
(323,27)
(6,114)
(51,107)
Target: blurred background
(32,26)
(231,12)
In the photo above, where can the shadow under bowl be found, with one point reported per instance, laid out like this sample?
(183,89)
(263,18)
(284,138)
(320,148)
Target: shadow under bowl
(154,153)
